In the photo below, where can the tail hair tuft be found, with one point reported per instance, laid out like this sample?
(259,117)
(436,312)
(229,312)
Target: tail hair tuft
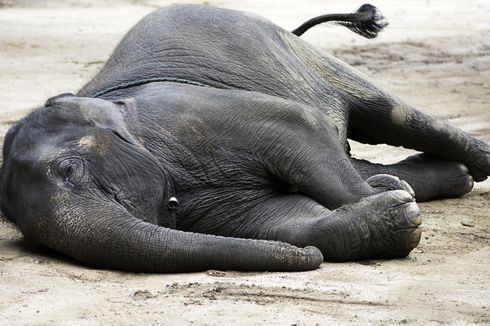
(370,22)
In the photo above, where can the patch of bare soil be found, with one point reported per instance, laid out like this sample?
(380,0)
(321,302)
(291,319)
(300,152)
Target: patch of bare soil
(435,55)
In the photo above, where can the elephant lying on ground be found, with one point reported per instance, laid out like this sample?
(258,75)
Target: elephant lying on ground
(215,139)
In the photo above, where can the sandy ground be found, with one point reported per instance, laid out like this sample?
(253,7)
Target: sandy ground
(435,55)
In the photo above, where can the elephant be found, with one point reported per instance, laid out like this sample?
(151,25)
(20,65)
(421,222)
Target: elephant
(215,139)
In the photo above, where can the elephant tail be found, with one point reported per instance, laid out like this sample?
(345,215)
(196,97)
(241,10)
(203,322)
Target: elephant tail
(367,21)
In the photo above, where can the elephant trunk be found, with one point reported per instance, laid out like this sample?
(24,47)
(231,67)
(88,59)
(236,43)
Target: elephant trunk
(113,238)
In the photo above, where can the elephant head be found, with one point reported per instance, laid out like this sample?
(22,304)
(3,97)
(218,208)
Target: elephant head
(77,178)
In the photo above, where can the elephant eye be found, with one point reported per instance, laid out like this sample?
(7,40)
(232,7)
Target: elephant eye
(71,170)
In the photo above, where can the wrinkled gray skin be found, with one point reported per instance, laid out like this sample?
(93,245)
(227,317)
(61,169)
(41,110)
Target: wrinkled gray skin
(259,154)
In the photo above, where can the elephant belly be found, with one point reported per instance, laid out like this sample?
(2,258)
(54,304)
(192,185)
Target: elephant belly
(218,210)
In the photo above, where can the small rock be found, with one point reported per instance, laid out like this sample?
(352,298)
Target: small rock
(468,224)
(216,273)
(142,295)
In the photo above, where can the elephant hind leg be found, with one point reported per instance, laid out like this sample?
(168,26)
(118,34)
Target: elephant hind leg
(385,120)
(380,226)
(431,178)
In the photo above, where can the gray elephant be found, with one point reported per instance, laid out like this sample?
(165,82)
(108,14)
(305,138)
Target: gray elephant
(214,139)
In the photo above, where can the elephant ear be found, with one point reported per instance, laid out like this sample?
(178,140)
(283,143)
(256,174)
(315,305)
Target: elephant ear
(119,116)
(129,112)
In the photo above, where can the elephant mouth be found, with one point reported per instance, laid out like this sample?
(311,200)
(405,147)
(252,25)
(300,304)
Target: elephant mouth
(173,203)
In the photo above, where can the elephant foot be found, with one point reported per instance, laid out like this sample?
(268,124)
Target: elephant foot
(381,226)
(479,160)
(387,182)
(433,178)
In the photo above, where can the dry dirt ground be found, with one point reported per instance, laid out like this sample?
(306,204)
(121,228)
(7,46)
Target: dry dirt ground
(435,55)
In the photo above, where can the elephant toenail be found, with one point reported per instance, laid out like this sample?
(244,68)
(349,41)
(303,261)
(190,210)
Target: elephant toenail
(463,168)
(471,183)
(406,186)
(413,214)
(402,195)
(414,238)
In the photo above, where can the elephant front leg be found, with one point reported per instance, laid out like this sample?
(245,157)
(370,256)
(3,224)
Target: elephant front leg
(309,159)
(380,226)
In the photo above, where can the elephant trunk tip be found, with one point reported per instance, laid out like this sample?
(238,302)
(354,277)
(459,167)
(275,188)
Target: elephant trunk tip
(315,257)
